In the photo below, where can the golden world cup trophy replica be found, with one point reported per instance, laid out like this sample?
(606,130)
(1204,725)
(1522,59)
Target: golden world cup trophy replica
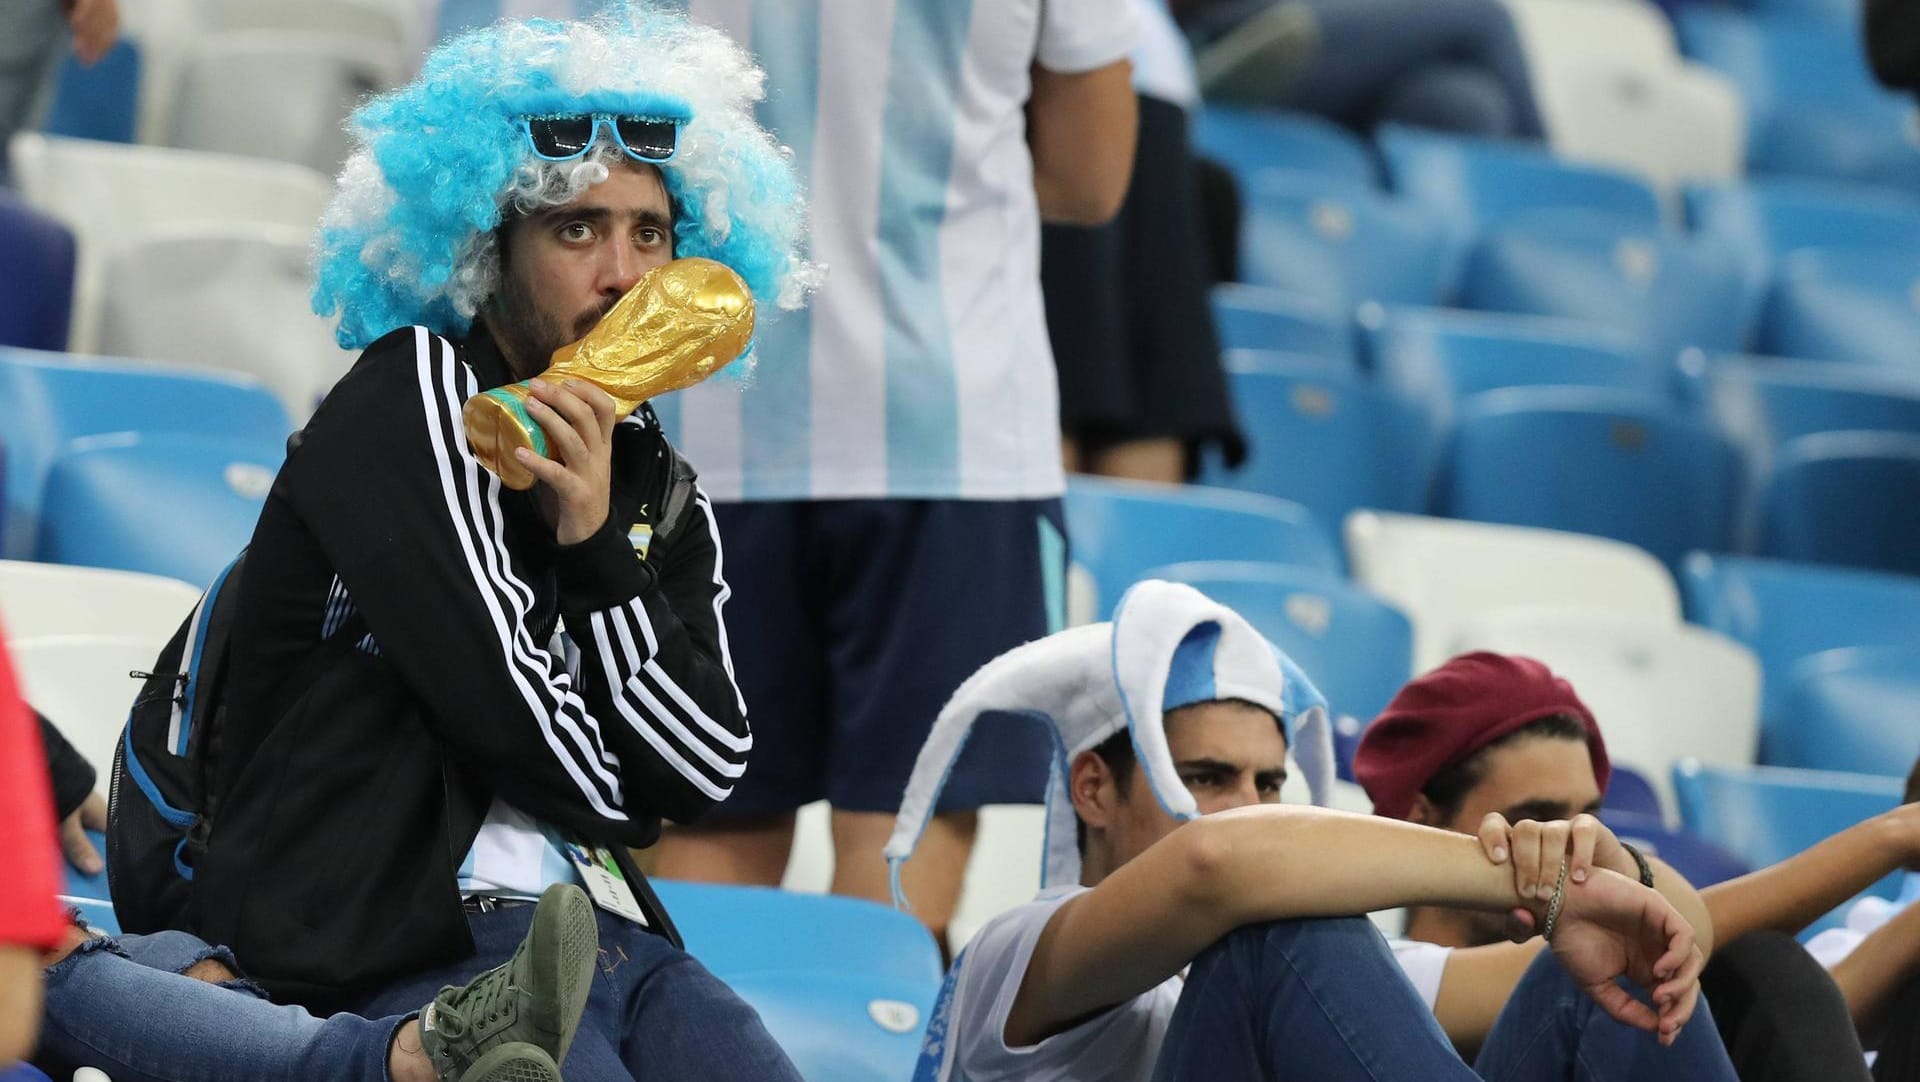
(679,324)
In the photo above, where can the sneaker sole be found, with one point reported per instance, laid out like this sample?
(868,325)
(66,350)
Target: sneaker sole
(513,1063)
(564,945)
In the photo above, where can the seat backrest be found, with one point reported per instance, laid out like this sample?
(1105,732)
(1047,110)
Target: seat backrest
(1765,402)
(1438,357)
(1765,219)
(1476,184)
(1631,792)
(1785,611)
(1443,572)
(1699,861)
(1783,59)
(233,297)
(372,19)
(1342,246)
(1850,498)
(1252,317)
(1250,140)
(1365,446)
(38,600)
(99,100)
(80,683)
(283,94)
(166,504)
(1669,291)
(1356,647)
(105,192)
(1120,529)
(1851,709)
(37,304)
(56,398)
(1644,473)
(1667,125)
(1661,691)
(1842,304)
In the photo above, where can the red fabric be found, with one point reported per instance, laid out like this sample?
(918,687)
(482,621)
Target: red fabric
(1444,717)
(30,915)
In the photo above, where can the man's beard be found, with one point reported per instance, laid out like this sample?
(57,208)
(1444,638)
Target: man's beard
(526,334)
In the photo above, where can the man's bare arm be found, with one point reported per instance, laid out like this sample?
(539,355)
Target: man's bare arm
(1081,129)
(19,1001)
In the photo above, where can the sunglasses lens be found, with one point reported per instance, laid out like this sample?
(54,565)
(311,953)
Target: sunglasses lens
(650,140)
(561,137)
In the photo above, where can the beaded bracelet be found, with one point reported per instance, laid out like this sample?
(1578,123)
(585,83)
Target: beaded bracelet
(1553,907)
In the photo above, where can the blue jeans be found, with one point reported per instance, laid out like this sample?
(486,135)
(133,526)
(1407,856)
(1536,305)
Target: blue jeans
(1324,1000)
(121,1005)
(654,1015)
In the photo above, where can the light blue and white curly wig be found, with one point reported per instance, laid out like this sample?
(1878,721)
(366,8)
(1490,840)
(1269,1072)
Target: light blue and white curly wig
(438,164)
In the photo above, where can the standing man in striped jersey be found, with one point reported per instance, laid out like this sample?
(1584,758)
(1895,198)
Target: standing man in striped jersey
(889,491)
(443,693)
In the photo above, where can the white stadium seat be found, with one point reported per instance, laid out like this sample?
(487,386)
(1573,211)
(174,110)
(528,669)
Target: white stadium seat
(82,683)
(38,600)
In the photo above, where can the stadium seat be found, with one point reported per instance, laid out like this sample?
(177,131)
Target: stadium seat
(1700,862)
(1785,611)
(39,599)
(848,999)
(283,95)
(1437,357)
(233,297)
(1668,291)
(1612,463)
(55,398)
(1766,814)
(1250,317)
(21,1072)
(1300,233)
(1629,792)
(1851,709)
(82,683)
(1850,498)
(1662,691)
(166,504)
(1122,528)
(1764,402)
(98,102)
(1476,184)
(1250,141)
(36,306)
(1443,573)
(1814,108)
(380,21)
(106,192)
(1355,647)
(1323,438)
(1841,304)
(1766,219)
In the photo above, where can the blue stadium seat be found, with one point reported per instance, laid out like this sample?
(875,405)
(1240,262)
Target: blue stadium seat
(1852,709)
(1252,317)
(37,303)
(52,399)
(1303,234)
(163,503)
(87,887)
(1356,647)
(1477,184)
(21,1072)
(99,102)
(1612,463)
(1765,402)
(1700,862)
(1668,291)
(1765,219)
(1785,611)
(1250,141)
(1630,792)
(1121,529)
(844,985)
(1850,498)
(1766,814)
(1437,357)
(1846,304)
(1323,438)
(1813,107)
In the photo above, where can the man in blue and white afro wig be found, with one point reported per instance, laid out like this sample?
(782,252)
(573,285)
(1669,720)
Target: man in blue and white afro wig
(441,163)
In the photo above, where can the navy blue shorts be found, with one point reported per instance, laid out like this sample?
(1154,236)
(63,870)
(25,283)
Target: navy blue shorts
(853,621)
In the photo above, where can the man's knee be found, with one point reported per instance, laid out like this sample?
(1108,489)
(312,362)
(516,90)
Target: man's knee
(1294,940)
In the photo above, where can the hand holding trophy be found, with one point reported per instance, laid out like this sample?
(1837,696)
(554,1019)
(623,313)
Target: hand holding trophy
(679,324)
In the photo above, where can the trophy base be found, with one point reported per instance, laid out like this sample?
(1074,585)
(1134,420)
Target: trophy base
(497,424)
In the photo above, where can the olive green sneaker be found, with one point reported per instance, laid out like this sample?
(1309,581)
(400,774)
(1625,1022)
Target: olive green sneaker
(534,998)
(516,1062)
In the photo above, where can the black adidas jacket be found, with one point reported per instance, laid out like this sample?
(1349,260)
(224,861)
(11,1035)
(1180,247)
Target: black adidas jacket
(394,669)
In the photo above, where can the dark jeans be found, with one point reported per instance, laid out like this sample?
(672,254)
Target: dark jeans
(1324,1000)
(1780,1014)
(654,1015)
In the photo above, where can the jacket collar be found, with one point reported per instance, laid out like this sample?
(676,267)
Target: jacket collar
(483,354)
